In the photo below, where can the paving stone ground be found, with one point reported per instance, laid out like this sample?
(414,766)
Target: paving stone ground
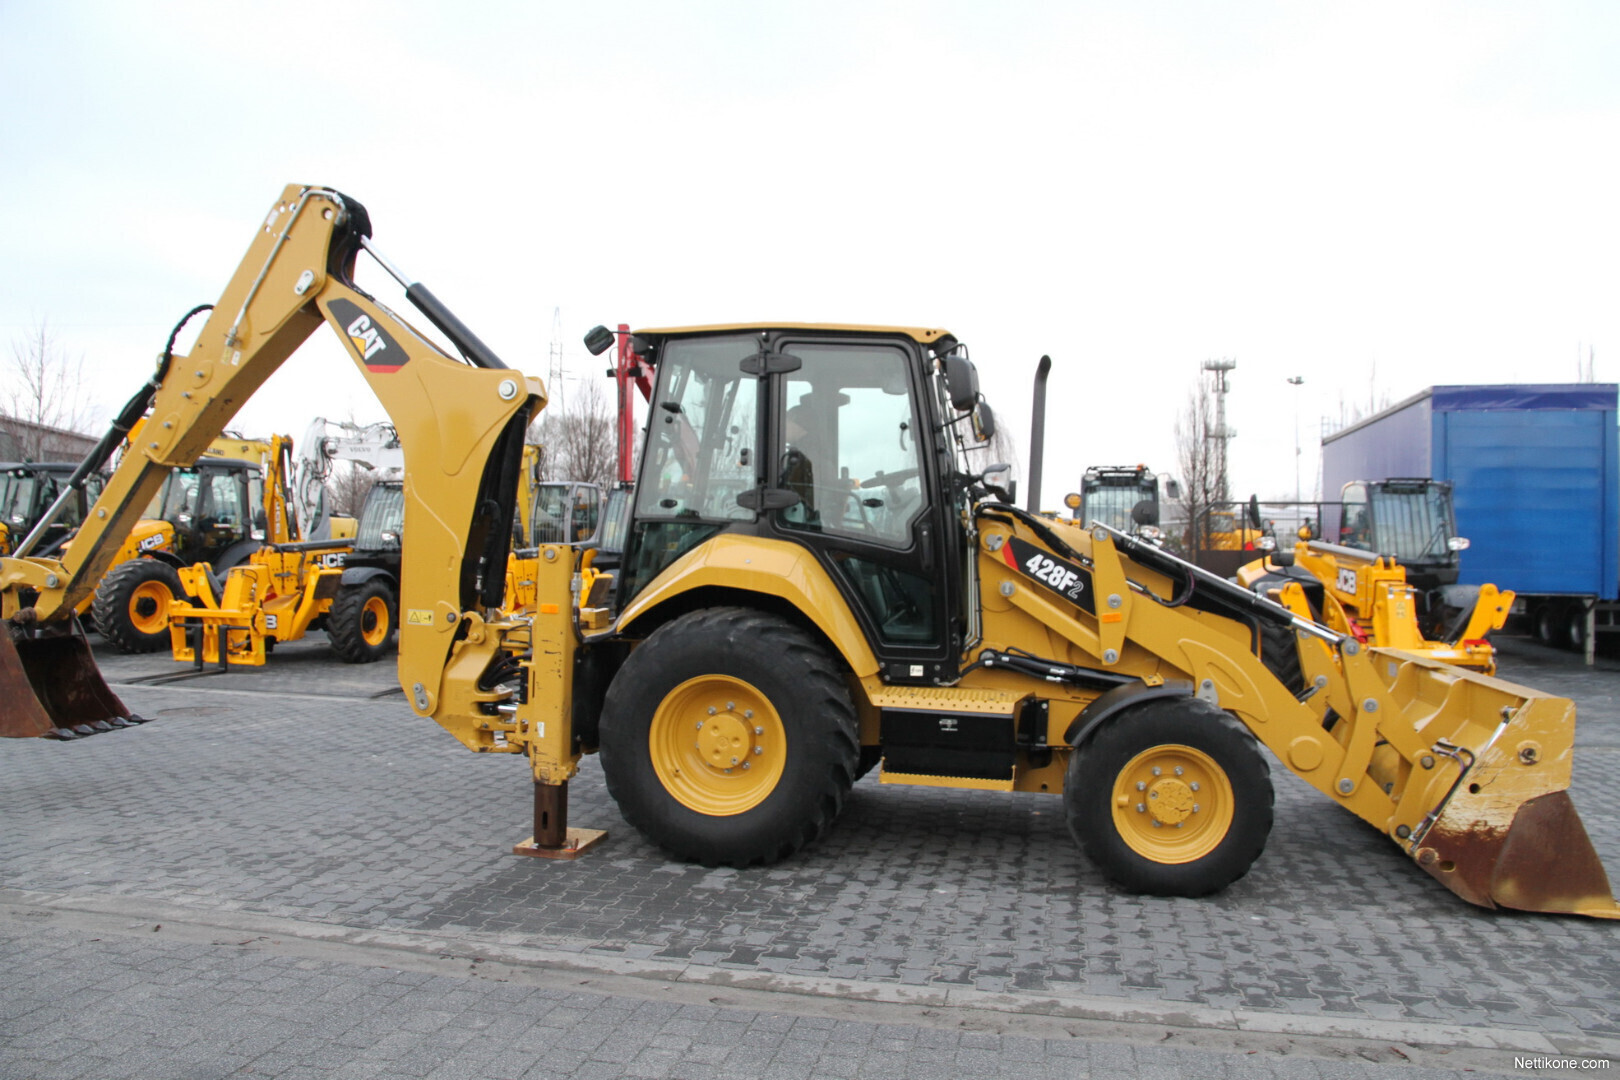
(313,802)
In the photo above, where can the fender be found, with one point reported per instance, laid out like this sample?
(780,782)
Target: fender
(774,568)
(1113,702)
(359,575)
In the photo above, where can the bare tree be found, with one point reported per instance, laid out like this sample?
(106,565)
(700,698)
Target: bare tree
(348,487)
(1197,455)
(583,441)
(44,398)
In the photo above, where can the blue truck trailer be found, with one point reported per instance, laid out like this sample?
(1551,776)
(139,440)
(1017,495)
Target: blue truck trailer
(1535,476)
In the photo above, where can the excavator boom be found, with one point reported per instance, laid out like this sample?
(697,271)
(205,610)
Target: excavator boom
(461,422)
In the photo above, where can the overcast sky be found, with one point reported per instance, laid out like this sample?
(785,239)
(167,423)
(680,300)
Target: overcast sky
(1375,196)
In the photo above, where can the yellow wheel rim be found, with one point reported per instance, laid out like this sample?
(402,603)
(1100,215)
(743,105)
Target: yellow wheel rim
(1173,804)
(374,621)
(149,607)
(717,745)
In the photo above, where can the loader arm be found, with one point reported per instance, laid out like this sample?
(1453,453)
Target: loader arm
(460,422)
(1466,773)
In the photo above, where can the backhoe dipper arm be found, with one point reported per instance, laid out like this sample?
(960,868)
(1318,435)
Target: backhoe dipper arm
(461,425)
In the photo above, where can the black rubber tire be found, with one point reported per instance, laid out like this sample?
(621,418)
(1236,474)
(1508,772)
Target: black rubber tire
(1279,652)
(870,756)
(1088,796)
(798,679)
(1575,627)
(1550,624)
(352,619)
(118,592)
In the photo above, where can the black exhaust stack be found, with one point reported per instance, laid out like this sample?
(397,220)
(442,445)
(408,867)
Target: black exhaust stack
(1037,434)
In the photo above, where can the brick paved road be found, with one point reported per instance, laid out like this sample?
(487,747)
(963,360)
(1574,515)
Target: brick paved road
(348,815)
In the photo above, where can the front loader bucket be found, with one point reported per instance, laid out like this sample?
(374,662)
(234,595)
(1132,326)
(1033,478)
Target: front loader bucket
(1498,826)
(50,687)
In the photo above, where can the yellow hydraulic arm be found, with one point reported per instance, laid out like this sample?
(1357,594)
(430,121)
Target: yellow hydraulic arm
(461,423)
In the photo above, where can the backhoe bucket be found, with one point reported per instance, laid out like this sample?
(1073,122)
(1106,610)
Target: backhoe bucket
(1499,829)
(50,687)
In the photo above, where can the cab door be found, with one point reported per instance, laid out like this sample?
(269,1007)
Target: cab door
(851,442)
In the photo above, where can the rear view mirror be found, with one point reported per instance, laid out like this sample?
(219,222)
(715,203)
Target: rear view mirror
(1172,489)
(961,382)
(599,340)
(984,422)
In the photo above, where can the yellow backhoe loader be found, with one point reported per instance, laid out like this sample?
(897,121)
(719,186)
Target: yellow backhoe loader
(812,584)
(1391,579)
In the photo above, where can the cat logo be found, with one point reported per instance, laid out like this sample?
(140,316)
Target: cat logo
(370,342)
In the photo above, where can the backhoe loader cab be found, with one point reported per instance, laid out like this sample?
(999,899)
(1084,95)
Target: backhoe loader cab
(1123,497)
(1410,519)
(27,489)
(830,447)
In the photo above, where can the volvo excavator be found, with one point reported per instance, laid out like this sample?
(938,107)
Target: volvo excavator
(815,584)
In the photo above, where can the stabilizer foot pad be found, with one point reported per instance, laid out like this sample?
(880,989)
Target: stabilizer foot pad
(579,842)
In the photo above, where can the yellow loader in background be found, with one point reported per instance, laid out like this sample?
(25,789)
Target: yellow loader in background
(1391,577)
(799,600)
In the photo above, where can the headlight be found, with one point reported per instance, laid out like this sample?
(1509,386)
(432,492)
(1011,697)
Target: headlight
(1266,543)
(1458,543)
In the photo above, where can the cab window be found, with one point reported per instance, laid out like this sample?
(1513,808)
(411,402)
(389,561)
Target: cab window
(849,444)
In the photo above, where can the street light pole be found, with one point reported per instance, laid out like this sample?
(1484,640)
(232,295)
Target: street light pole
(1295,381)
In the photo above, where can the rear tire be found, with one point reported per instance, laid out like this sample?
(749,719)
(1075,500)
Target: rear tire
(362,622)
(131,607)
(1202,812)
(729,738)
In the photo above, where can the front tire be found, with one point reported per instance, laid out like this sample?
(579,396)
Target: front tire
(729,738)
(1170,799)
(132,602)
(362,621)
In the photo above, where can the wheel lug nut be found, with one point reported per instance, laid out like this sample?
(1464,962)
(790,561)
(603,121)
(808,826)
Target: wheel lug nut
(759,731)
(734,761)
(730,705)
(748,714)
(700,725)
(745,764)
(1195,808)
(759,750)
(1141,808)
(1140,786)
(712,710)
(1194,785)
(1156,770)
(1178,770)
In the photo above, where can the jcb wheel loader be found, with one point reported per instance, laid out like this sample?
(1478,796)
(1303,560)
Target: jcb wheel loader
(810,574)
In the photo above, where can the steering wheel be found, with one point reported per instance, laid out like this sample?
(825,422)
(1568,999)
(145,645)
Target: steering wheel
(893,479)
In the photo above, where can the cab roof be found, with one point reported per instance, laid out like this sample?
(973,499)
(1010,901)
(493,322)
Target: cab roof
(924,336)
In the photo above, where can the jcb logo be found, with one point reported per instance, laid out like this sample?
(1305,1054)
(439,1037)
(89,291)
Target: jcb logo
(332,560)
(366,337)
(151,543)
(1347,582)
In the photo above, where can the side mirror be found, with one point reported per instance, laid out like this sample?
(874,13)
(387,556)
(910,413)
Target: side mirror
(984,422)
(1172,489)
(1283,557)
(599,340)
(961,382)
(1254,512)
